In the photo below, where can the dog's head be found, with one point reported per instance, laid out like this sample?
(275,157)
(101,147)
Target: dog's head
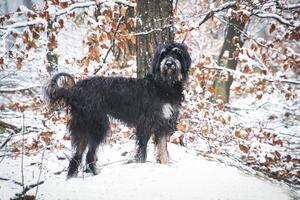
(171,62)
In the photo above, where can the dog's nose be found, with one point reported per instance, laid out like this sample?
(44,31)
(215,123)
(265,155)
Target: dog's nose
(169,63)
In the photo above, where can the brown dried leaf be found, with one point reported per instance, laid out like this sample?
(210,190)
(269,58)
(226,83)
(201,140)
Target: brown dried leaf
(61,23)
(243,148)
(204,129)
(181,127)
(237,133)
(278,142)
(123,11)
(67,137)
(277,155)
(19,63)
(253,46)
(296,160)
(272,28)
(64,4)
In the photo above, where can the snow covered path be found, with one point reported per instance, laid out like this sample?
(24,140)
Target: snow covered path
(188,177)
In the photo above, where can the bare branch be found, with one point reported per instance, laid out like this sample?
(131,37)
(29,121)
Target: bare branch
(24,24)
(27,188)
(64,11)
(153,30)
(20,89)
(88,4)
(294,82)
(114,38)
(6,141)
(6,179)
(7,125)
(290,7)
(41,167)
(211,13)
(274,16)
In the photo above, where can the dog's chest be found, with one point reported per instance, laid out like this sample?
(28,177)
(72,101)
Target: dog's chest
(168,111)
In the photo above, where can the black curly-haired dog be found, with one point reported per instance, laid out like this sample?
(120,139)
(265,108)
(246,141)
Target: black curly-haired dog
(150,104)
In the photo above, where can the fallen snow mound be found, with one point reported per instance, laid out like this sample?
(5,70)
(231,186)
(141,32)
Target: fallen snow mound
(187,177)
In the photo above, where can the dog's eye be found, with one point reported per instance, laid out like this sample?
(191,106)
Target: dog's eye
(163,52)
(176,50)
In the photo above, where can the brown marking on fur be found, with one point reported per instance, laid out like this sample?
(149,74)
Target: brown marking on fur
(162,152)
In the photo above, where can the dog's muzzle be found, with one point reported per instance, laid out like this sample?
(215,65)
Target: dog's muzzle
(170,66)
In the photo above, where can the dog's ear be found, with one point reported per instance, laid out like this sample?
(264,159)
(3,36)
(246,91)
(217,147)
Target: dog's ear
(156,60)
(186,58)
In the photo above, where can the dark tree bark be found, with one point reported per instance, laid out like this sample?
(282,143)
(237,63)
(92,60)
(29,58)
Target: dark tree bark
(231,42)
(154,26)
(52,59)
(27,3)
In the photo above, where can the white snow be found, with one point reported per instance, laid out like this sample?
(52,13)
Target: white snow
(187,177)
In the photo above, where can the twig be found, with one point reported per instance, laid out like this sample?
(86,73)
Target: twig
(22,158)
(289,7)
(112,44)
(114,39)
(211,13)
(23,24)
(7,140)
(90,3)
(7,125)
(20,89)
(36,191)
(294,82)
(152,30)
(6,179)
(246,109)
(278,18)
(26,189)
(62,12)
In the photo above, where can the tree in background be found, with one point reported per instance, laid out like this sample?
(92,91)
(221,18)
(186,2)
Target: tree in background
(233,41)
(155,25)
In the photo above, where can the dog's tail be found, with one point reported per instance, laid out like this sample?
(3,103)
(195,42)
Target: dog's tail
(57,90)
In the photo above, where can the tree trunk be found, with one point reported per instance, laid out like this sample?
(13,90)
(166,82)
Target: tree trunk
(52,59)
(154,26)
(231,42)
(27,3)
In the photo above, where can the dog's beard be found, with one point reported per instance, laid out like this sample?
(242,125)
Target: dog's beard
(170,70)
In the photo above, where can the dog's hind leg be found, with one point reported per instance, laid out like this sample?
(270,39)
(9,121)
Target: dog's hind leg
(91,157)
(80,146)
(98,133)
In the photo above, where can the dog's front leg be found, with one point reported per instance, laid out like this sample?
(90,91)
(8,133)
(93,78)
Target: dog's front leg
(162,155)
(142,141)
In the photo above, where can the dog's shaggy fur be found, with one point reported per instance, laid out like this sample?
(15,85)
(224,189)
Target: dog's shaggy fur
(150,104)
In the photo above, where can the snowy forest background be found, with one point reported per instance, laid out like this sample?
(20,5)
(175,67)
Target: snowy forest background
(241,105)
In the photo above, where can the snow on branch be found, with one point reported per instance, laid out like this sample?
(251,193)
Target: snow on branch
(290,7)
(210,13)
(65,11)
(20,89)
(153,30)
(278,18)
(24,24)
(88,4)
(231,71)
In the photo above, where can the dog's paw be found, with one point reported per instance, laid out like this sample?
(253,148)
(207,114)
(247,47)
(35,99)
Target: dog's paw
(69,176)
(162,159)
(93,170)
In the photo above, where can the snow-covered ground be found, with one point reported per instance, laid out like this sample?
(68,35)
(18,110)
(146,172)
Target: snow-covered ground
(187,177)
